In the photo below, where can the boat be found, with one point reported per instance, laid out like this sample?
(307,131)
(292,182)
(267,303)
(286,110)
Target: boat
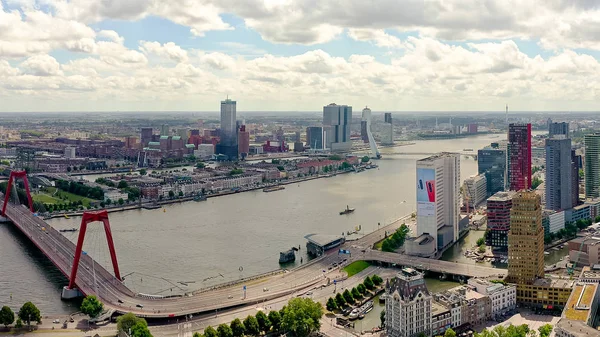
(288,256)
(200,197)
(273,188)
(354,314)
(68,230)
(348,210)
(151,206)
(366,307)
(467,150)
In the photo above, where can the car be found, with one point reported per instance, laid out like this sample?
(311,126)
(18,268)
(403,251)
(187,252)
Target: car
(334,264)
(139,305)
(330,268)
(120,301)
(56,321)
(309,293)
(265,289)
(230,296)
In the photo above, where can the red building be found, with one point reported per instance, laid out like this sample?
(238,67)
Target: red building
(275,146)
(498,219)
(519,156)
(243,141)
(472,128)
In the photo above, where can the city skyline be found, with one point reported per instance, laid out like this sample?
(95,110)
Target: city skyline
(72,56)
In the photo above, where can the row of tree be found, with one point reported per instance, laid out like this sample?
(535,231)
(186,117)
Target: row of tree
(396,240)
(28,313)
(348,297)
(300,317)
(570,230)
(522,330)
(80,189)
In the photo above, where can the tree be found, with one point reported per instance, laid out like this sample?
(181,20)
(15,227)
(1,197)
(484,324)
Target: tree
(180,193)
(545,330)
(331,305)
(140,329)
(382,318)
(361,288)
(122,184)
(143,172)
(536,182)
(19,323)
(68,168)
(29,312)
(196,334)
(264,323)
(237,328)
(224,331)
(128,320)
(480,241)
(339,300)
(377,280)
(210,332)
(275,319)
(121,201)
(365,159)
(108,201)
(368,283)
(171,194)
(302,316)
(91,306)
(356,293)
(251,325)
(348,296)
(200,165)
(7,316)
(449,333)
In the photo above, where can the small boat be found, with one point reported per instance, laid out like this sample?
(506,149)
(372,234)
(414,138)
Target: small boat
(467,150)
(273,188)
(348,210)
(151,206)
(367,307)
(68,230)
(354,314)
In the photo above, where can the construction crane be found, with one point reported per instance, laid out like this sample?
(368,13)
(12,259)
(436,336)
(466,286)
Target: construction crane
(571,269)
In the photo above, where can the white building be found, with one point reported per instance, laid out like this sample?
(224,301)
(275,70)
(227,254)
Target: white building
(408,305)
(556,221)
(475,190)
(114,195)
(438,198)
(503,297)
(387,134)
(204,151)
(69,152)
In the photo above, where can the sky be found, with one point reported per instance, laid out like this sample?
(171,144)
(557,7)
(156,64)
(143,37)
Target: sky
(299,55)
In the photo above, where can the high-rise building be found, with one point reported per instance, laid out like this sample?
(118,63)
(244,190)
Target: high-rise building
(555,129)
(498,220)
(558,182)
(475,190)
(228,143)
(243,142)
(314,137)
(184,134)
(145,136)
(408,308)
(592,165)
(526,239)
(363,131)
(492,163)
(164,130)
(387,117)
(336,126)
(575,165)
(472,128)
(69,152)
(387,131)
(519,156)
(438,195)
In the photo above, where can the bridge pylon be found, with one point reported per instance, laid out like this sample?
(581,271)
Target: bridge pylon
(11,180)
(93,216)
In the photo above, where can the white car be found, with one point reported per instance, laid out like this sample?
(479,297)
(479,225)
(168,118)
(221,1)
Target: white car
(56,321)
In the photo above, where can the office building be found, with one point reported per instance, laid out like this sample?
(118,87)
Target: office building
(387,117)
(184,134)
(314,137)
(558,182)
(525,239)
(228,143)
(387,130)
(519,156)
(363,131)
(243,142)
(584,251)
(492,163)
(336,126)
(475,191)
(498,222)
(472,128)
(438,195)
(145,136)
(574,328)
(555,129)
(408,307)
(164,130)
(592,165)
(69,152)
(575,166)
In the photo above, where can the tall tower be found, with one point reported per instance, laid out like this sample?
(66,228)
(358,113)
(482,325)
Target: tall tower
(336,126)
(519,156)
(558,180)
(228,144)
(525,239)
(592,165)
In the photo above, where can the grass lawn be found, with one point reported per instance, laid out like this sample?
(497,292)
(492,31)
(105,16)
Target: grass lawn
(49,197)
(378,245)
(356,267)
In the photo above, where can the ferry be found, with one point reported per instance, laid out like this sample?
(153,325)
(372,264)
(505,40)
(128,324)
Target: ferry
(68,230)
(273,188)
(348,210)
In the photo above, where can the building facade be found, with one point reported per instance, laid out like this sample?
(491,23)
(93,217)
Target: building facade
(438,195)
(503,297)
(314,137)
(243,142)
(492,163)
(558,180)
(228,143)
(408,305)
(475,190)
(555,129)
(519,156)
(592,165)
(498,218)
(336,124)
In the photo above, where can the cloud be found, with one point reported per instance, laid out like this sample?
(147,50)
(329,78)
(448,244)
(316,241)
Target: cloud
(167,50)
(378,36)
(41,65)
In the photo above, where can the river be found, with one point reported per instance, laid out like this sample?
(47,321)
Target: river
(192,245)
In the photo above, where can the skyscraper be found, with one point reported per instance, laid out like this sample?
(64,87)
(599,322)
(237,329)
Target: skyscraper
(575,162)
(387,132)
(438,189)
(498,222)
(336,126)
(314,137)
(387,117)
(559,182)
(145,136)
(519,156)
(592,165)
(526,239)
(555,129)
(243,142)
(492,163)
(228,144)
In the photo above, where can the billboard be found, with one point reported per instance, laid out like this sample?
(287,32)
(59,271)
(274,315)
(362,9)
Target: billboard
(425,192)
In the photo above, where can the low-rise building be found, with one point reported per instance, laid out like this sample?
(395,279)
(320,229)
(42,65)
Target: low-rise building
(583,303)
(572,328)
(441,319)
(503,297)
(408,305)
(584,251)
(545,293)
(553,221)
(581,212)
(204,151)
(114,194)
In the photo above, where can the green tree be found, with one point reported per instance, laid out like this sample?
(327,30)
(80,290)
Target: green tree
(143,172)
(121,201)
(223,330)
(196,334)
(450,333)
(237,328)
(108,201)
(275,319)
(331,305)
(180,193)
(29,312)
(361,288)
(369,283)
(140,329)
(91,306)
(68,168)
(382,318)
(210,332)
(302,316)
(171,194)
(545,330)
(356,293)
(264,323)
(200,165)
(251,325)
(19,323)
(365,159)
(122,184)
(348,296)
(339,300)
(377,280)
(127,322)
(536,182)
(7,316)
(480,241)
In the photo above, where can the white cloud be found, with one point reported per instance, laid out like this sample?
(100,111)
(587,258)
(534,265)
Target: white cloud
(167,50)
(378,36)
(41,65)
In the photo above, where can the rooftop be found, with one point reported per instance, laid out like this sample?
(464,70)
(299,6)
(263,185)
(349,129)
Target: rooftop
(554,283)
(322,239)
(501,196)
(437,308)
(437,156)
(576,328)
(580,302)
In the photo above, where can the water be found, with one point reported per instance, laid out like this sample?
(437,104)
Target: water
(226,238)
